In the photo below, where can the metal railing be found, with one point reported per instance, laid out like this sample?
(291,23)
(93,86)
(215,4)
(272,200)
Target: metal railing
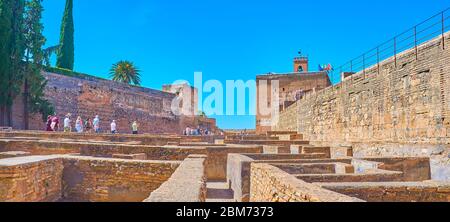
(430,28)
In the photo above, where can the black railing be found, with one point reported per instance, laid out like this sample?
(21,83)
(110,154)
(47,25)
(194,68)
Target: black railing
(432,27)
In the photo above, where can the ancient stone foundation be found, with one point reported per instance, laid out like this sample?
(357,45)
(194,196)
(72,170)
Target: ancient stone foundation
(382,136)
(279,167)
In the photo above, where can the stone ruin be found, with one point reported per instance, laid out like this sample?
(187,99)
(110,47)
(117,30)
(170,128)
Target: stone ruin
(276,167)
(380,136)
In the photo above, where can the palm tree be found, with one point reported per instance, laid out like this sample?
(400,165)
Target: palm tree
(125,72)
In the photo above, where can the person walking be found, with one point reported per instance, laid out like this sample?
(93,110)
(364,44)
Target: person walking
(55,123)
(49,124)
(88,125)
(79,125)
(113,127)
(67,127)
(96,124)
(134,127)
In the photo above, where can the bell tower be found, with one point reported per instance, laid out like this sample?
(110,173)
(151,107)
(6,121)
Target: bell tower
(301,63)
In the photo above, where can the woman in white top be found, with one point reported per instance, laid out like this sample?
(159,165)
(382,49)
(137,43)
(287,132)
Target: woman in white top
(79,125)
(113,127)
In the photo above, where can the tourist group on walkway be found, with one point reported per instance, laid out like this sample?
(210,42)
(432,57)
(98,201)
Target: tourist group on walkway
(83,126)
(93,125)
(196,131)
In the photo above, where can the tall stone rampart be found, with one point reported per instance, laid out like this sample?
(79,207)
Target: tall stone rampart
(403,103)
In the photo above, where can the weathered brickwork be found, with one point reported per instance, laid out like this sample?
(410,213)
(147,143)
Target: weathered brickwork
(400,104)
(270,184)
(111,180)
(187,184)
(87,96)
(291,87)
(394,192)
(30,179)
(216,163)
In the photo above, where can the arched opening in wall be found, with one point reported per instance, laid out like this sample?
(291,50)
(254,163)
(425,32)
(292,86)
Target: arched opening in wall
(300,68)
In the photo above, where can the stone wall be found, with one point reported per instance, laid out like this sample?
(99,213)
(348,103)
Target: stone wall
(396,110)
(113,180)
(30,179)
(288,118)
(157,140)
(270,184)
(394,192)
(187,184)
(238,176)
(291,87)
(87,96)
(404,103)
(216,163)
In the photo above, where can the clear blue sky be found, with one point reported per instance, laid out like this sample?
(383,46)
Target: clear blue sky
(228,40)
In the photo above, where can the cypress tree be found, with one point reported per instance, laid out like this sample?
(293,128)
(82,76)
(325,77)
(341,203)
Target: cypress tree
(5,38)
(66,54)
(11,53)
(35,82)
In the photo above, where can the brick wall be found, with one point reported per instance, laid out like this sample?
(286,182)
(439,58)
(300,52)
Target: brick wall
(394,192)
(30,179)
(112,180)
(187,184)
(87,96)
(403,104)
(290,87)
(270,184)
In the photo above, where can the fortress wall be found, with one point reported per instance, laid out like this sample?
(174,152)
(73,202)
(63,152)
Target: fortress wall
(88,96)
(404,104)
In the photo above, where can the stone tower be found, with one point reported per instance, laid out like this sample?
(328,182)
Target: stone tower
(301,64)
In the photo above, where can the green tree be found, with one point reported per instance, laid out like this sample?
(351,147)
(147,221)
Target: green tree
(66,52)
(48,52)
(11,55)
(35,82)
(125,72)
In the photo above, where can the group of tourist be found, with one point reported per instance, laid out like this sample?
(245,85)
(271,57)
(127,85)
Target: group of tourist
(82,126)
(196,131)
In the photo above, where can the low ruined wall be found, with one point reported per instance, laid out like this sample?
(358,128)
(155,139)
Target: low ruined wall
(187,184)
(238,176)
(405,103)
(239,166)
(38,147)
(216,163)
(270,184)
(112,180)
(30,179)
(413,169)
(152,152)
(147,139)
(394,192)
